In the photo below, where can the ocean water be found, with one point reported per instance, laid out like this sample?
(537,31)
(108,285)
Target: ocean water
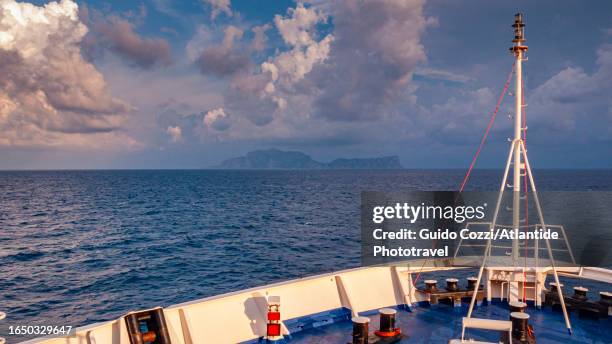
(78,247)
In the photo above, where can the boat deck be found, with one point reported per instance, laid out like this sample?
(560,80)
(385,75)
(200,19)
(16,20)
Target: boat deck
(317,310)
(439,323)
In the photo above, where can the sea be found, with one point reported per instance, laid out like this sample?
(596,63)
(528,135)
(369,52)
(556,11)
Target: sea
(78,247)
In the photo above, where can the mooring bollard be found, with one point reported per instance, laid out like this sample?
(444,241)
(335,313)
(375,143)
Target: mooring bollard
(606,300)
(472,283)
(520,329)
(451,284)
(554,288)
(517,306)
(580,293)
(361,330)
(431,285)
(387,331)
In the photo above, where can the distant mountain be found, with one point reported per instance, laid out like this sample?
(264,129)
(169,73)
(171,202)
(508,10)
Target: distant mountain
(278,159)
(272,158)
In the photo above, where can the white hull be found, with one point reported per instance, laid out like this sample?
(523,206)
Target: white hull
(241,316)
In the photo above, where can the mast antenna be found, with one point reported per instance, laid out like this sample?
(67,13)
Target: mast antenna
(517,158)
(519,48)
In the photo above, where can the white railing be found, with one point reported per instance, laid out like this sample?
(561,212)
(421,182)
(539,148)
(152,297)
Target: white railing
(534,248)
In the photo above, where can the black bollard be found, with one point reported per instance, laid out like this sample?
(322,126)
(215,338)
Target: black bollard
(472,283)
(553,287)
(605,297)
(517,306)
(520,322)
(451,284)
(431,286)
(606,300)
(360,330)
(580,293)
(387,320)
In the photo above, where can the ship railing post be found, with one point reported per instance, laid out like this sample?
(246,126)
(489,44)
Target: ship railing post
(2,316)
(567,244)
(493,224)
(548,248)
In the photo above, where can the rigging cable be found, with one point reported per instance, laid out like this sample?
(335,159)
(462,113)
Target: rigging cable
(484,137)
(482,142)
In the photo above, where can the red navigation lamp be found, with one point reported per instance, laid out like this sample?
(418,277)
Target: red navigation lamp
(273,327)
(274,330)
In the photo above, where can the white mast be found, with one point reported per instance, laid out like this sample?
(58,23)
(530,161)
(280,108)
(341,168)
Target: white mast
(518,48)
(518,151)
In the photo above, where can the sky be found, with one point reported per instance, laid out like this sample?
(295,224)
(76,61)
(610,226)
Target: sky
(187,84)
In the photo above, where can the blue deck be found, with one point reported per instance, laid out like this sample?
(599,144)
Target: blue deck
(439,323)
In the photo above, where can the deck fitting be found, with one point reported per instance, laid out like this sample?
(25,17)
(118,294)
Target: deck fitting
(579,302)
(452,294)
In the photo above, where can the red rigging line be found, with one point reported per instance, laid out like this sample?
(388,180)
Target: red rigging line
(419,274)
(486,134)
(482,142)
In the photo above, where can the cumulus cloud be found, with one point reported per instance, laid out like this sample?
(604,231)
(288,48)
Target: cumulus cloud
(260,38)
(295,28)
(49,94)
(118,35)
(247,96)
(327,79)
(573,94)
(359,72)
(219,6)
(252,92)
(224,59)
(261,96)
(175,133)
(179,121)
(297,31)
(217,119)
(382,41)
